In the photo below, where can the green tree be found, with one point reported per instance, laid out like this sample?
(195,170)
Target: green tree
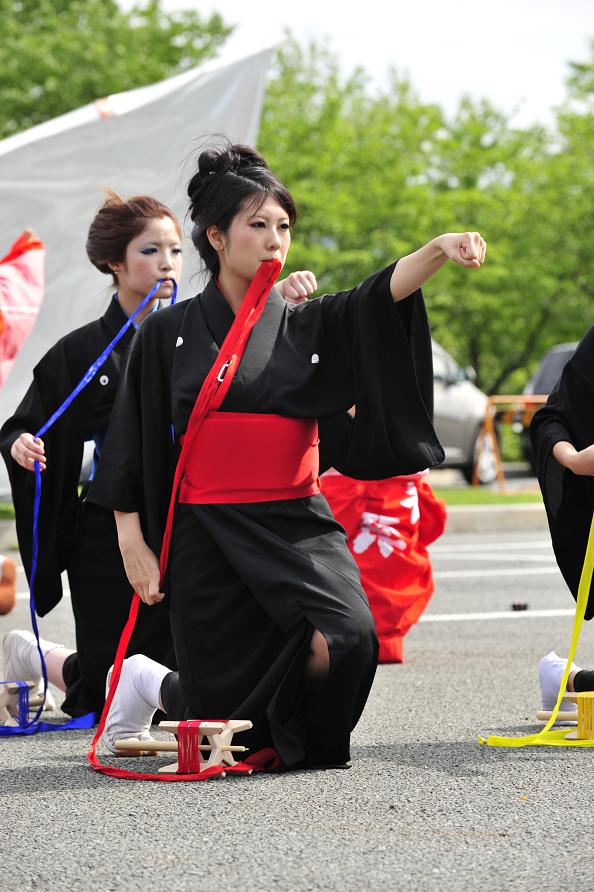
(56,55)
(356,163)
(377,173)
(488,180)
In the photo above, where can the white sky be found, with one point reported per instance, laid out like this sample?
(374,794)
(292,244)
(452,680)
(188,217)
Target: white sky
(513,52)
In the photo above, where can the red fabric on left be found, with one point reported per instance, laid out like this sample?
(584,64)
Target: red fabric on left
(21,294)
(24,243)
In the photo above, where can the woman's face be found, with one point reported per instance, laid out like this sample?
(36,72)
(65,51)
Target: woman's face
(154,254)
(255,234)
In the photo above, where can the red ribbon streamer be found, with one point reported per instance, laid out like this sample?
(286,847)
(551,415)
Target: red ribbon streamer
(217,382)
(188,743)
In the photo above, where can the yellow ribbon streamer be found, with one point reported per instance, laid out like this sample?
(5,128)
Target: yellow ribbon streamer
(546,737)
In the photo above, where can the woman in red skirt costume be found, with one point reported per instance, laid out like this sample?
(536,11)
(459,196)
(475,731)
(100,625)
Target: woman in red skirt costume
(389,524)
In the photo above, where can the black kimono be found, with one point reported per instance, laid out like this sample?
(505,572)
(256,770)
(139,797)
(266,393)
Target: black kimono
(74,536)
(248,583)
(569,498)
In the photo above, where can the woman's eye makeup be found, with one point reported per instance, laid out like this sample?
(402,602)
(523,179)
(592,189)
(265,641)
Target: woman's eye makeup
(261,225)
(154,250)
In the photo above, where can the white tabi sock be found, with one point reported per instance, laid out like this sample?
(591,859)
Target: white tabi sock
(21,657)
(22,662)
(550,673)
(136,700)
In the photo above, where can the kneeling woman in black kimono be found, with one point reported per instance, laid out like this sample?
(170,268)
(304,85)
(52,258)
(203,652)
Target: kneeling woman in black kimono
(138,242)
(269,619)
(562,435)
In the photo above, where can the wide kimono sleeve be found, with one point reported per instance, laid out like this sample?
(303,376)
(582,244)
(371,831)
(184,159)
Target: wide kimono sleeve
(59,506)
(135,470)
(568,497)
(378,358)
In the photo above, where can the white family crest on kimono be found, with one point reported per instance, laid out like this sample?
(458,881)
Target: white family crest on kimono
(381,528)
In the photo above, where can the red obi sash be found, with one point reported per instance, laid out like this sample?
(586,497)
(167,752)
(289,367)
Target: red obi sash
(242,457)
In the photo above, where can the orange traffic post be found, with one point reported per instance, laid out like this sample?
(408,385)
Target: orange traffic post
(503,410)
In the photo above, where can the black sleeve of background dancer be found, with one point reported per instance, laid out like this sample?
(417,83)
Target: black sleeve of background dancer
(117,483)
(59,504)
(135,470)
(568,498)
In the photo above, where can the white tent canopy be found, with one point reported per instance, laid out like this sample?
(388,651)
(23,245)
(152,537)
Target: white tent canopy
(143,141)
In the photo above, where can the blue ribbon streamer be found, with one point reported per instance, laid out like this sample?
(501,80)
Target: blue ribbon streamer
(81,722)
(23,687)
(88,720)
(23,702)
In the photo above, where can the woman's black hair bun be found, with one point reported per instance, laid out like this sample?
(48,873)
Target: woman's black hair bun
(227,176)
(233,158)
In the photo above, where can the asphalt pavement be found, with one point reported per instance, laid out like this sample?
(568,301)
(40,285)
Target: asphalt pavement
(423,807)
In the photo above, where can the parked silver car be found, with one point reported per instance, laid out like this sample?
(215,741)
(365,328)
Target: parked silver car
(459,414)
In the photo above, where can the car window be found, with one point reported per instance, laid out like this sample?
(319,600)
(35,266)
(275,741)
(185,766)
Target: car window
(440,369)
(550,371)
(454,371)
(445,368)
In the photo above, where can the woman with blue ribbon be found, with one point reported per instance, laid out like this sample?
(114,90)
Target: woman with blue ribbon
(138,243)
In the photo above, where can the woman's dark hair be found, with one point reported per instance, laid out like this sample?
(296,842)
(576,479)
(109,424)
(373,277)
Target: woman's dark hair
(117,222)
(226,181)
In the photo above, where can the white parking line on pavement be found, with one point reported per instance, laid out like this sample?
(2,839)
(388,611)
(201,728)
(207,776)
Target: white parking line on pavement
(518,571)
(518,558)
(502,614)
(490,546)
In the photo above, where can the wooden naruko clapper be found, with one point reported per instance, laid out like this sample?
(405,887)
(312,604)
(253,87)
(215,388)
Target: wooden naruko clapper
(584,715)
(18,699)
(199,745)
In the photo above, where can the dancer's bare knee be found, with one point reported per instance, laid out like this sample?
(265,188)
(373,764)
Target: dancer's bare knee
(318,661)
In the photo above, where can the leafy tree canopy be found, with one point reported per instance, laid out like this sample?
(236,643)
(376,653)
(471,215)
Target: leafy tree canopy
(56,55)
(377,173)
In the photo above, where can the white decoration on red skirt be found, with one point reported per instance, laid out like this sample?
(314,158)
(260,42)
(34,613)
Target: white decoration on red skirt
(381,529)
(412,502)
